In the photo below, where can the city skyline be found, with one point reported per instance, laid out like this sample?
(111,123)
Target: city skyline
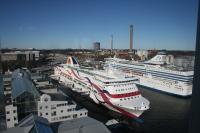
(70,24)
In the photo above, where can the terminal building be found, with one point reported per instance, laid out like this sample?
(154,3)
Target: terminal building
(20,55)
(22,98)
(57,108)
(29,109)
(13,60)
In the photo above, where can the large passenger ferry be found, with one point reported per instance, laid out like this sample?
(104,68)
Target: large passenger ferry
(117,92)
(156,74)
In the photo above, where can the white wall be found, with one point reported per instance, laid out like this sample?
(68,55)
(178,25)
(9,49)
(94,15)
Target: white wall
(56,111)
(11,115)
(143,54)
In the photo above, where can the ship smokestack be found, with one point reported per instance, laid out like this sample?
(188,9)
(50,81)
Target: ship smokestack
(131,39)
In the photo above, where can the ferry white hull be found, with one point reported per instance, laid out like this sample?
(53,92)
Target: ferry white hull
(136,113)
(166,87)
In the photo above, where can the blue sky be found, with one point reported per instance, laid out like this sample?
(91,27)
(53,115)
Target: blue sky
(160,24)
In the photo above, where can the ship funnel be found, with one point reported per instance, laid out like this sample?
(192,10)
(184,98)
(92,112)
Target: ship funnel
(72,61)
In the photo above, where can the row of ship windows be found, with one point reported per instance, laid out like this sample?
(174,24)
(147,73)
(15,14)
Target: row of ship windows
(123,85)
(129,98)
(117,82)
(77,81)
(66,76)
(136,107)
(84,85)
(125,89)
(122,67)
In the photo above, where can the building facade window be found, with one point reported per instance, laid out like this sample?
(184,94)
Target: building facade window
(69,110)
(53,114)
(75,116)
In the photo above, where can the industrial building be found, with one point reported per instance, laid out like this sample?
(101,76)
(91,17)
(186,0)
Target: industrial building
(13,60)
(20,55)
(96,46)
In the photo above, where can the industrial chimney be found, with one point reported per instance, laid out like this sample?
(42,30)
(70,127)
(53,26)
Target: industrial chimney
(131,39)
(111,43)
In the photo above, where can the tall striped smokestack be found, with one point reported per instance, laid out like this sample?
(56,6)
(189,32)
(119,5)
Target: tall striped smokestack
(131,38)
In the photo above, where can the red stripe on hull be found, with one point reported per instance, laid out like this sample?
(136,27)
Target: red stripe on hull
(65,74)
(123,95)
(76,75)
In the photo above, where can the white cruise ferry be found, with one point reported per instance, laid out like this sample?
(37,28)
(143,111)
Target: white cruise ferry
(156,74)
(117,92)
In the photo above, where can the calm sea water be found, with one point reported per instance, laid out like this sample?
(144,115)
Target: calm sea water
(167,114)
